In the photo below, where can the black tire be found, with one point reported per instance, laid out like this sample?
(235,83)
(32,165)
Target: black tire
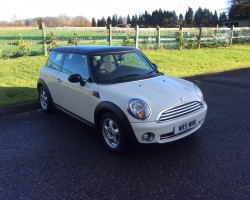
(113,133)
(45,100)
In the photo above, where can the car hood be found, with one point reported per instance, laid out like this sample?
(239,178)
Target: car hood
(159,93)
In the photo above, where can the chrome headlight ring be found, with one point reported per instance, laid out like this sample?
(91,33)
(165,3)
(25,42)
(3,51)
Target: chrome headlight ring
(139,109)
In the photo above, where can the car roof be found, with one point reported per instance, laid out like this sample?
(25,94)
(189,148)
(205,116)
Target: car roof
(92,49)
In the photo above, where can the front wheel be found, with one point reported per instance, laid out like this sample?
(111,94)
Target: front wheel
(113,133)
(45,100)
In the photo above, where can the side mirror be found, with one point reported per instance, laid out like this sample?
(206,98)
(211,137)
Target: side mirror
(155,65)
(76,78)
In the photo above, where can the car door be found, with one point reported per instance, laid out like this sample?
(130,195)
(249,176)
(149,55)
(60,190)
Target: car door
(72,96)
(52,72)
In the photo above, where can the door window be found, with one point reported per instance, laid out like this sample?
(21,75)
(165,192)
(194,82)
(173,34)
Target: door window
(76,63)
(55,60)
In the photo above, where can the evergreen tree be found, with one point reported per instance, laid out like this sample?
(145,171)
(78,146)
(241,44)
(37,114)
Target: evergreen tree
(215,19)
(93,22)
(207,17)
(109,21)
(142,20)
(99,23)
(189,17)
(154,19)
(128,20)
(114,20)
(147,17)
(120,20)
(181,21)
(239,9)
(103,22)
(160,18)
(175,19)
(199,17)
(135,21)
(222,18)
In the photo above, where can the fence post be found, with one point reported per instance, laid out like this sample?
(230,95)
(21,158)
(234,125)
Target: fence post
(136,36)
(158,37)
(231,36)
(181,38)
(199,38)
(45,52)
(110,34)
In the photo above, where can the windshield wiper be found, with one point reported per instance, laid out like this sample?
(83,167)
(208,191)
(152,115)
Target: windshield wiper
(121,78)
(148,74)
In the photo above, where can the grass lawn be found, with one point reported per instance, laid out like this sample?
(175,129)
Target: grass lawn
(200,61)
(19,75)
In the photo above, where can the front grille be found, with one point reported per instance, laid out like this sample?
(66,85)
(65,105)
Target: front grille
(179,111)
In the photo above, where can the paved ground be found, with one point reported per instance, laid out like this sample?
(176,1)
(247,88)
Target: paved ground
(57,157)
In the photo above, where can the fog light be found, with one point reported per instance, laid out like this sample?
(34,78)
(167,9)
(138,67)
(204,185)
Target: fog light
(148,137)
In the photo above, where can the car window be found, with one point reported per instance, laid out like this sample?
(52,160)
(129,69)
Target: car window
(135,60)
(76,63)
(122,66)
(55,60)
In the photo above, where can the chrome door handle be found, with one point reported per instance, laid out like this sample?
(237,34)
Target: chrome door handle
(58,80)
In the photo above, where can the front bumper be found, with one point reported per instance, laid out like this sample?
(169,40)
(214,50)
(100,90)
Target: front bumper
(165,131)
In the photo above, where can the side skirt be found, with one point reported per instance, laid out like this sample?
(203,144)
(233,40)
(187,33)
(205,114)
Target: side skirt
(73,115)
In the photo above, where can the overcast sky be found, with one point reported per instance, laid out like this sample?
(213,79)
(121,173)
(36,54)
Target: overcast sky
(22,9)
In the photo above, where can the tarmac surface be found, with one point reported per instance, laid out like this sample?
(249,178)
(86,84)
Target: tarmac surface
(57,157)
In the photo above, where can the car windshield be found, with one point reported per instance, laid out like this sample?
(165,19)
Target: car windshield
(122,67)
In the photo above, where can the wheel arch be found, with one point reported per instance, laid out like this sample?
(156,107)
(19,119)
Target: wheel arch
(41,83)
(109,107)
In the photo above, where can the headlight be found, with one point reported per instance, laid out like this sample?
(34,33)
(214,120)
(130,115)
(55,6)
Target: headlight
(199,91)
(139,109)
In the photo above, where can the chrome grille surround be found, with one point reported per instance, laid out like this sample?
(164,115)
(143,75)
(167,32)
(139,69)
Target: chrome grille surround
(179,111)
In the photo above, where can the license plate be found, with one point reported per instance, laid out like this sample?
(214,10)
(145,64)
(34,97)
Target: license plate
(184,127)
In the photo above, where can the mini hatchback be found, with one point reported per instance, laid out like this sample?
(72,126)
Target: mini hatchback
(119,91)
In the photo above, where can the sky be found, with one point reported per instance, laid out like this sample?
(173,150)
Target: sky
(23,9)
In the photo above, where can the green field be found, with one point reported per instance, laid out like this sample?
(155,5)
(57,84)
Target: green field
(19,75)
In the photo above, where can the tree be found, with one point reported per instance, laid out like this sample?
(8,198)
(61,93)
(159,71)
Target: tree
(170,19)
(114,20)
(239,9)
(189,17)
(199,17)
(147,17)
(142,20)
(78,21)
(93,22)
(222,18)
(109,21)
(128,20)
(120,20)
(135,21)
(174,19)
(63,20)
(207,17)
(99,23)
(160,18)
(39,21)
(181,21)
(154,18)
(215,19)
(103,22)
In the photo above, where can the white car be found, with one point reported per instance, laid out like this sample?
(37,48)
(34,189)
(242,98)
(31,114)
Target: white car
(119,91)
